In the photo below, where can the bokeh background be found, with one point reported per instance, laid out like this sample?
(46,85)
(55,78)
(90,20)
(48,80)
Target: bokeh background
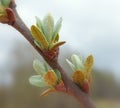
(89,27)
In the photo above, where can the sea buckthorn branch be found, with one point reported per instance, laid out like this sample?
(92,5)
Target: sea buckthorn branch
(50,52)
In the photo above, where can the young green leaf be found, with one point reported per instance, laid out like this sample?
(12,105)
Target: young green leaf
(77,62)
(71,65)
(56,29)
(46,67)
(38,44)
(38,81)
(39,67)
(39,24)
(5,2)
(58,74)
(48,26)
(39,36)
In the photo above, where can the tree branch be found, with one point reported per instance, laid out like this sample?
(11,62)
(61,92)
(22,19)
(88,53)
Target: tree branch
(71,88)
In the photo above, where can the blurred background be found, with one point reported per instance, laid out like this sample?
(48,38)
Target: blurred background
(89,27)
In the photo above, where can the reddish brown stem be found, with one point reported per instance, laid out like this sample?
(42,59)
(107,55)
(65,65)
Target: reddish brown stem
(71,88)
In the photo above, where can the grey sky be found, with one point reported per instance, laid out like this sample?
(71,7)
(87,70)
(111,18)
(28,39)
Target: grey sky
(90,26)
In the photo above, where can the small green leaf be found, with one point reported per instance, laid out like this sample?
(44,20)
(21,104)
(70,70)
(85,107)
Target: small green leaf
(39,67)
(39,24)
(5,2)
(71,65)
(38,44)
(38,81)
(56,29)
(2,9)
(58,74)
(48,26)
(77,61)
(39,36)
(46,67)
(56,45)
